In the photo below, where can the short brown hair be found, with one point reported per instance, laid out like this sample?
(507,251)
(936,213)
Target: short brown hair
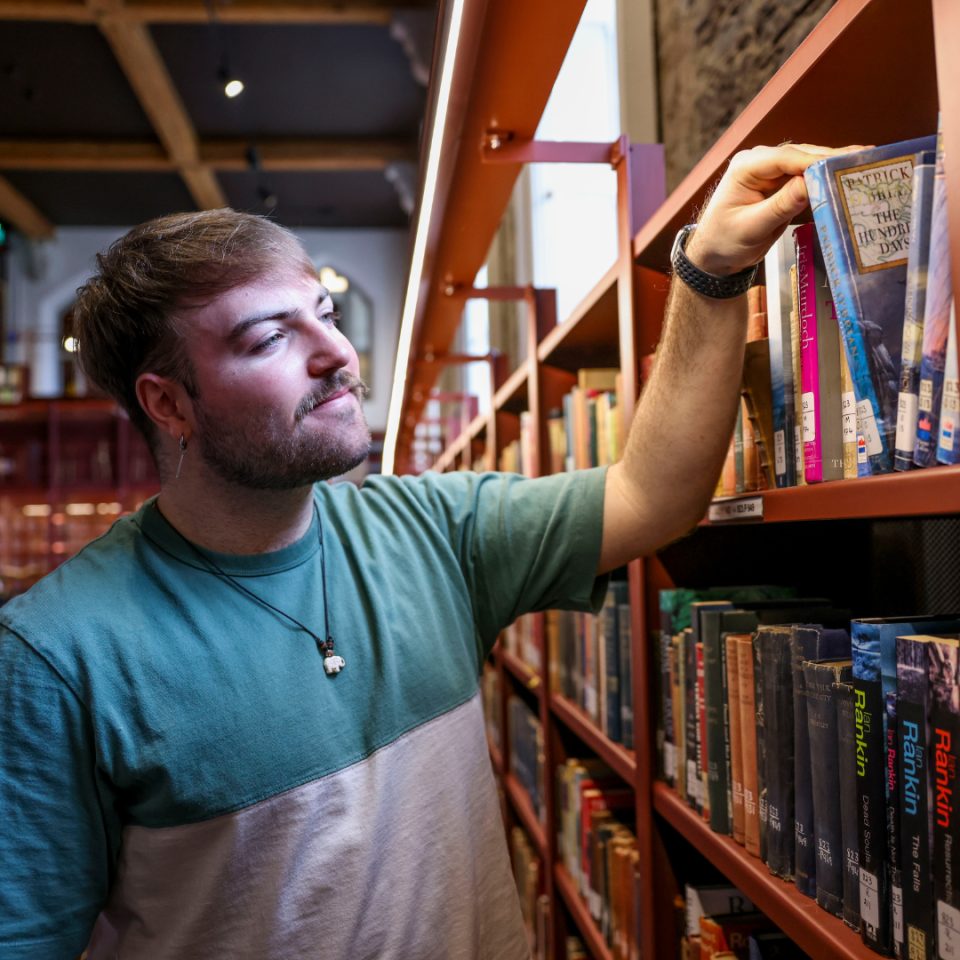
(125,320)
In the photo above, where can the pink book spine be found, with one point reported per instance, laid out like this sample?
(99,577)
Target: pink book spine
(805,238)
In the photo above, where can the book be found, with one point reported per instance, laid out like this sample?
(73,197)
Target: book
(849,809)
(819,364)
(820,677)
(736,747)
(625,634)
(897,931)
(748,735)
(701,900)
(713,624)
(921,209)
(738,475)
(943,748)
(777,263)
(761,739)
(729,933)
(808,642)
(773,644)
(609,628)
(936,319)
(666,715)
(557,435)
(704,808)
(874,676)
(677,688)
(848,415)
(774,945)
(861,207)
(915,783)
(797,385)
(758,411)
(948,447)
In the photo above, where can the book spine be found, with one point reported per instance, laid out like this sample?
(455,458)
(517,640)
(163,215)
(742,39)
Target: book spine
(694,784)
(936,320)
(738,465)
(822,726)
(611,642)
(626,690)
(911,352)
(727,754)
(809,354)
(678,686)
(762,808)
(915,843)
(848,418)
(944,749)
(736,745)
(703,807)
(797,381)
(778,750)
(781,365)
(665,721)
(849,810)
(893,825)
(805,868)
(847,307)
(748,740)
(872,822)
(716,770)
(948,447)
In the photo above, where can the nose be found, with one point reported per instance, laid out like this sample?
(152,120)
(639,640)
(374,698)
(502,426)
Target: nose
(329,350)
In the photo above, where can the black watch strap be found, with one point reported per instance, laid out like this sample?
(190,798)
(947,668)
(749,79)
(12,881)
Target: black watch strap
(719,288)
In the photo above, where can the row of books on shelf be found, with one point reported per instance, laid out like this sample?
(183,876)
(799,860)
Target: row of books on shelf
(862,332)
(828,751)
(527,763)
(597,845)
(719,921)
(534,904)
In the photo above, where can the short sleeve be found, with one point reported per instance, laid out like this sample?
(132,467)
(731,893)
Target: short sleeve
(523,545)
(54,850)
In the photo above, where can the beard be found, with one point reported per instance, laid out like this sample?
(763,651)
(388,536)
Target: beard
(263,453)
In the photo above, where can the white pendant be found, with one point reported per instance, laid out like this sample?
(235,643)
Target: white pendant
(333,664)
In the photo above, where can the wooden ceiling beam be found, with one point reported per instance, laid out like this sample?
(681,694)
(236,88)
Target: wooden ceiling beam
(140,60)
(302,154)
(195,11)
(17,211)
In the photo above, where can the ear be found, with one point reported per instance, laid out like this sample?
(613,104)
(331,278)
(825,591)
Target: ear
(167,404)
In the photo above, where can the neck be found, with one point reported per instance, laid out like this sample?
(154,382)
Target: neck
(228,518)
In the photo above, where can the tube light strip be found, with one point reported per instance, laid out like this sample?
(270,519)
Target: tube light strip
(420,242)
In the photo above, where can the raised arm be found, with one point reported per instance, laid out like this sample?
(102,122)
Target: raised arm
(682,427)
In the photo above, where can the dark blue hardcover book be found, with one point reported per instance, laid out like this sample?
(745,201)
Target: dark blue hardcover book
(618,592)
(874,655)
(936,321)
(774,945)
(911,351)
(849,810)
(861,207)
(808,642)
(893,825)
(625,632)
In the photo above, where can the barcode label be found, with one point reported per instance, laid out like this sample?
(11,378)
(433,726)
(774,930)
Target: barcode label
(848,410)
(926,395)
(868,427)
(809,418)
(779,452)
(948,931)
(906,422)
(869,899)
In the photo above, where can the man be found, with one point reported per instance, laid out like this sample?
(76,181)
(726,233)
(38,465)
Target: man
(186,768)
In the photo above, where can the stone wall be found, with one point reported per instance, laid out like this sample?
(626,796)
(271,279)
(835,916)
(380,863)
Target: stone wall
(714,57)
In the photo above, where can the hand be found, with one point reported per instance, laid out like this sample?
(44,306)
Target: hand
(761,191)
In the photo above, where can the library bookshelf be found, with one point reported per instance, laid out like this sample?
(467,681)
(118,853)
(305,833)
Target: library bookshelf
(808,100)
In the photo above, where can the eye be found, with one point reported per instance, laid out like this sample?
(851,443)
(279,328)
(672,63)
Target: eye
(270,341)
(331,318)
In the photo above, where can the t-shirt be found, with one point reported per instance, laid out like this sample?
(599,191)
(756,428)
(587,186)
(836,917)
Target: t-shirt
(180,778)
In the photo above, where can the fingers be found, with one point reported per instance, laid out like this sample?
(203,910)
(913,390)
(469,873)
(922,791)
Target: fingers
(775,212)
(763,164)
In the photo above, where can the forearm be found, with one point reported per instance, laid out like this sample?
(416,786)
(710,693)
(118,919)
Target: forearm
(682,427)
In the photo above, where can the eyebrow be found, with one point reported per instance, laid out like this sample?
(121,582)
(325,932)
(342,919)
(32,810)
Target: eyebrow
(244,325)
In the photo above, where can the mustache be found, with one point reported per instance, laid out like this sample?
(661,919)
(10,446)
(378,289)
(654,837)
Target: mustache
(327,388)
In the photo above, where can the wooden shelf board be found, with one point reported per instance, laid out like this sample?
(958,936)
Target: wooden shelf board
(520,800)
(822,936)
(578,910)
(935,490)
(522,671)
(515,388)
(477,426)
(592,328)
(623,761)
(800,102)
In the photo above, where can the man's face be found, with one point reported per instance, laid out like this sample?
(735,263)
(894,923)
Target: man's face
(279,401)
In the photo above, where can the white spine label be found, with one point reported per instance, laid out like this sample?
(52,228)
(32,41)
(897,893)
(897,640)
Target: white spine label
(948,931)
(798,453)
(926,396)
(779,452)
(809,418)
(906,422)
(670,760)
(848,409)
(868,427)
(896,899)
(949,413)
(869,899)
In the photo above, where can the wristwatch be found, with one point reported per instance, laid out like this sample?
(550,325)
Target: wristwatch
(719,288)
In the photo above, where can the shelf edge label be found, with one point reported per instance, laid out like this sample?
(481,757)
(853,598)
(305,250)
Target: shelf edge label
(740,508)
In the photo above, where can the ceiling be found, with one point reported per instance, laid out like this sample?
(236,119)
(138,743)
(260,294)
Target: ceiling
(120,115)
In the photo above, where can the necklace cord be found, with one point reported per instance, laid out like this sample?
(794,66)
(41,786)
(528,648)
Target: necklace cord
(217,571)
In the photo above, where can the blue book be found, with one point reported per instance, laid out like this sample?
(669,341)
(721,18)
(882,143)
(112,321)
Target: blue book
(617,593)
(874,676)
(936,321)
(626,677)
(912,345)
(861,207)
(948,447)
(779,259)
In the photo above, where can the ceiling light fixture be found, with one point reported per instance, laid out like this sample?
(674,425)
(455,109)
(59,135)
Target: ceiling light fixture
(420,242)
(333,281)
(233,88)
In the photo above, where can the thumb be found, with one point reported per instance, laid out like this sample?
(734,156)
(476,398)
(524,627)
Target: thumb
(778,210)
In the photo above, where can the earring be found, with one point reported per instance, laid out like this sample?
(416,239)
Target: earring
(183,450)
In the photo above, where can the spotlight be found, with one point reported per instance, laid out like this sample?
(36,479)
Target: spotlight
(71,344)
(233,88)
